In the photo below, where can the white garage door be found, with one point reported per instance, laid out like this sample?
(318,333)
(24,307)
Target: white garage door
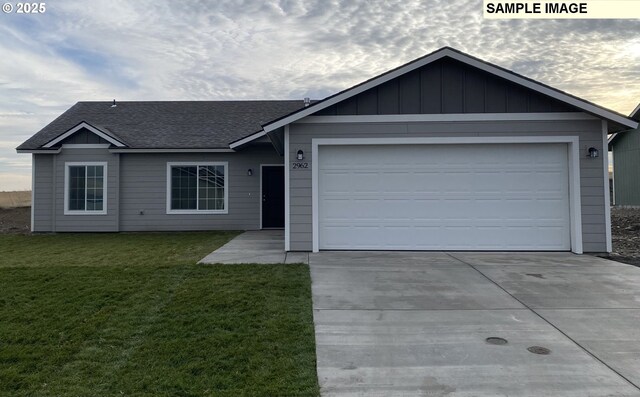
(444,197)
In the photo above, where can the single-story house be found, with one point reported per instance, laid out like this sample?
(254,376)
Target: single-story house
(626,165)
(446,152)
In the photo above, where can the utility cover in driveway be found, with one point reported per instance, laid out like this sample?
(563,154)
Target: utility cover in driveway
(444,197)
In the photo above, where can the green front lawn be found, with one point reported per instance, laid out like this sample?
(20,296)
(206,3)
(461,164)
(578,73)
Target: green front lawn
(133,315)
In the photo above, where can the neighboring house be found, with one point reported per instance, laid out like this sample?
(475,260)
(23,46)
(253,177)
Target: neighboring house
(626,165)
(444,153)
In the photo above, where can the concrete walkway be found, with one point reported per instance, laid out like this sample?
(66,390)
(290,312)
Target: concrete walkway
(415,324)
(257,246)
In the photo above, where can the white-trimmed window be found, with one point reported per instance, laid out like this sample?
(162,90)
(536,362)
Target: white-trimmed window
(197,188)
(85,188)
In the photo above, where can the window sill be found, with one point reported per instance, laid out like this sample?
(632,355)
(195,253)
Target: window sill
(197,212)
(85,212)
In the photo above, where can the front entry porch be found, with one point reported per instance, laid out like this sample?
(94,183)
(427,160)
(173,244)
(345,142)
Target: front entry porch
(256,246)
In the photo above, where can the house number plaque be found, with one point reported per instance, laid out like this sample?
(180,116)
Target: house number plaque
(296,166)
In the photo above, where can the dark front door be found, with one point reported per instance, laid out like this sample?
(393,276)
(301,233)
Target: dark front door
(272,196)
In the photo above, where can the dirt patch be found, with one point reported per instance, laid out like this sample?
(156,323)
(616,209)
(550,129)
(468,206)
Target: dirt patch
(625,233)
(15,220)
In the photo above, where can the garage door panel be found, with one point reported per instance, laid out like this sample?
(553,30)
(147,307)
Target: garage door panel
(347,211)
(550,209)
(346,236)
(452,197)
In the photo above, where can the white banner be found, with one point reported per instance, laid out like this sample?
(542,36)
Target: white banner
(585,9)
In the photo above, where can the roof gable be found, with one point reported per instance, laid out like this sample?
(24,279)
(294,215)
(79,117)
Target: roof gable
(635,114)
(404,71)
(83,127)
(84,137)
(446,86)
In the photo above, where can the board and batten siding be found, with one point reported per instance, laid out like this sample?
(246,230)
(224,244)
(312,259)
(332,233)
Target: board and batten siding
(49,192)
(143,187)
(446,86)
(626,168)
(84,137)
(591,170)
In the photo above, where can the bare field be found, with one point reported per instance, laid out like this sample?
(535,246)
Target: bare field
(15,199)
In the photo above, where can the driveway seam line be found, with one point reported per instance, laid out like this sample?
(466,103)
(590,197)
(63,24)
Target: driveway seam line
(545,320)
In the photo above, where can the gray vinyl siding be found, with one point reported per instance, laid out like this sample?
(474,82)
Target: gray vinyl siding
(49,193)
(143,186)
(138,182)
(42,205)
(591,170)
(626,168)
(446,86)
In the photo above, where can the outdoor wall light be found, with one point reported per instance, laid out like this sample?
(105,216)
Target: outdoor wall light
(593,153)
(249,172)
(300,155)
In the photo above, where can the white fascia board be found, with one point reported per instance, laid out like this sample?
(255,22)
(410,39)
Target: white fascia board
(171,151)
(91,128)
(635,111)
(449,117)
(248,139)
(510,76)
(39,151)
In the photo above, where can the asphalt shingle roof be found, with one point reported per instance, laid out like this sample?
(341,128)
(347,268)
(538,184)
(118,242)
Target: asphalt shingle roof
(169,125)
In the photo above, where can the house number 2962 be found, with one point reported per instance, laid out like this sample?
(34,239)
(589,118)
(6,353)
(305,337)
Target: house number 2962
(296,166)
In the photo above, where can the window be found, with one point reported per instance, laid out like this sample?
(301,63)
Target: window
(197,188)
(85,189)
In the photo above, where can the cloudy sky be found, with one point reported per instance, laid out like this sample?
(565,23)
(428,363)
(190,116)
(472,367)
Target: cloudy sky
(289,49)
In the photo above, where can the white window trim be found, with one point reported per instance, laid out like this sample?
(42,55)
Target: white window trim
(607,199)
(572,142)
(67,211)
(287,193)
(225,164)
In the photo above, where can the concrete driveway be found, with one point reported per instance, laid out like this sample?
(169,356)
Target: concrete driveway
(415,324)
